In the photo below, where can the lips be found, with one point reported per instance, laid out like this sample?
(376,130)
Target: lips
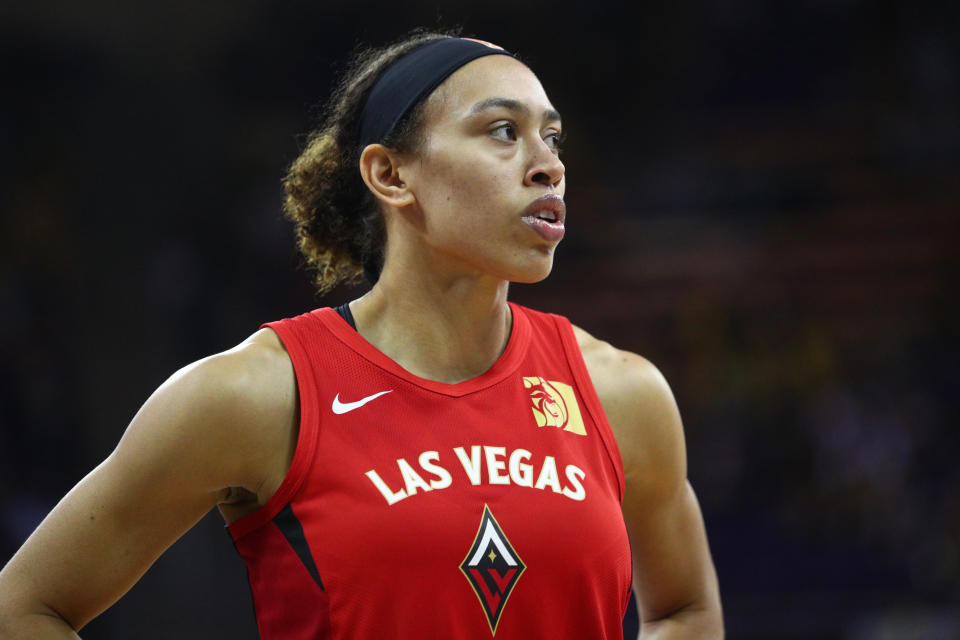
(545,216)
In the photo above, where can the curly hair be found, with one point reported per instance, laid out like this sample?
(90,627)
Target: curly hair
(338,224)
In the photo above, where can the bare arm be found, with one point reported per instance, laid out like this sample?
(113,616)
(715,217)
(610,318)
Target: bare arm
(673,574)
(226,421)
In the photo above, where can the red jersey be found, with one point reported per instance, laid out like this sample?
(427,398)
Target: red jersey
(416,509)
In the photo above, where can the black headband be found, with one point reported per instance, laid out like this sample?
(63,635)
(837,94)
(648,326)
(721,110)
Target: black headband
(414,77)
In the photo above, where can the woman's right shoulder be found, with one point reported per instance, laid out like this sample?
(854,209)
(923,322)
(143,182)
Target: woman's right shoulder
(254,378)
(259,368)
(225,423)
(234,413)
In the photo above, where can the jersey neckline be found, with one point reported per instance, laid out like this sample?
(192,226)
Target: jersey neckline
(506,364)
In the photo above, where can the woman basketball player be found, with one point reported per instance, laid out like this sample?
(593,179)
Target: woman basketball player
(429,461)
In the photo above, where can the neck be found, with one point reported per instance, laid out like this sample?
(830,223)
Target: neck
(442,328)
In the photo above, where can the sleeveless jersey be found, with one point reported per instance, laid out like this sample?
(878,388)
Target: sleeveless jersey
(419,510)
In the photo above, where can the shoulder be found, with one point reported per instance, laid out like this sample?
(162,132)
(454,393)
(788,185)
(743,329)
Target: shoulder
(257,371)
(230,416)
(219,423)
(253,377)
(642,412)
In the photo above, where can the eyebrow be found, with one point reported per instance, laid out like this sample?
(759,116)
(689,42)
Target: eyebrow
(512,105)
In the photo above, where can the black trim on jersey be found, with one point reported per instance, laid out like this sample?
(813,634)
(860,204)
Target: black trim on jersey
(631,619)
(292,530)
(346,314)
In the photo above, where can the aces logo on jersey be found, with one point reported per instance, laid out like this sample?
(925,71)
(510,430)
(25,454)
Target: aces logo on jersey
(554,404)
(492,567)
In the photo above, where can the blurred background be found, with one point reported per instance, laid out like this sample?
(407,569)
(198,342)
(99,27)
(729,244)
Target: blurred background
(763,200)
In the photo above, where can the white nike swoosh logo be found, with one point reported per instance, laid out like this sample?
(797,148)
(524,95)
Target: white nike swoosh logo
(344,407)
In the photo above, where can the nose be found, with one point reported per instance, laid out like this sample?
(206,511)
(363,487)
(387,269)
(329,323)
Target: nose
(545,167)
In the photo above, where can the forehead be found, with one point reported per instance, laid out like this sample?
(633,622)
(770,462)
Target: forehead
(495,76)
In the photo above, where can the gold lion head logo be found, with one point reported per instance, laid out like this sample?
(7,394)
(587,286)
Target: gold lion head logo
(549,408)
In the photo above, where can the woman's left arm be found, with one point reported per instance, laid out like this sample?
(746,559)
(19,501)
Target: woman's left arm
(673,574)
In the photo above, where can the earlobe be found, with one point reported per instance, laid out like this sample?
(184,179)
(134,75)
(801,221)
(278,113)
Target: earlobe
(380,170)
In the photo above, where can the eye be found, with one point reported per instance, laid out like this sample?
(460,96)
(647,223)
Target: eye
(555,140)
(505,132)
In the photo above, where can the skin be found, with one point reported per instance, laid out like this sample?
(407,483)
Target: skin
(456,239)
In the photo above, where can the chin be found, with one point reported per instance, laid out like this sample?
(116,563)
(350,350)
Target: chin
(533,271)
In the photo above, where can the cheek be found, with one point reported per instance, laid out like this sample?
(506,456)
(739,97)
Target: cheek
(467,198)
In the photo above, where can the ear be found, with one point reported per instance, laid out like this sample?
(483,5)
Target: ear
(380,170)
